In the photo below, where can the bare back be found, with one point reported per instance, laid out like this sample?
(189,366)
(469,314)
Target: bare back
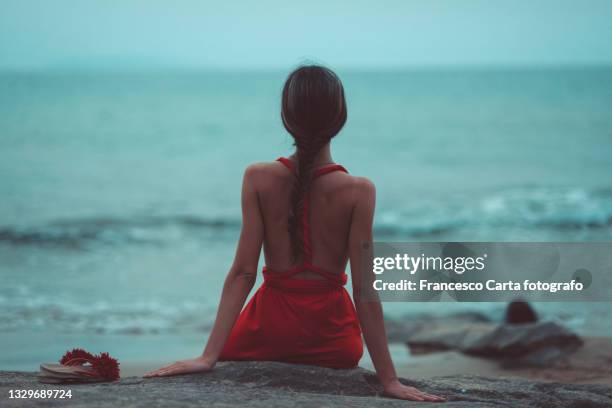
(332,200)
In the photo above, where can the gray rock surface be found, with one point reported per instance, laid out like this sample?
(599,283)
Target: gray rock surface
(535,343)
(399,330)
(268,384)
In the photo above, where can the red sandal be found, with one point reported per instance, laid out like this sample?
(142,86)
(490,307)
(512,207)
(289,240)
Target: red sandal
(80,366)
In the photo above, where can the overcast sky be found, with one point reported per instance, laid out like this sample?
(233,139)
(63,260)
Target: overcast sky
(281,33)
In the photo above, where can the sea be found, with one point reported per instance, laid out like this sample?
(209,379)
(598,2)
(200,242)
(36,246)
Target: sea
(119,190)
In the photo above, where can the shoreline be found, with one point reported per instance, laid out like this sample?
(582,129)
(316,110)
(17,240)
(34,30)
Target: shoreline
(591,364)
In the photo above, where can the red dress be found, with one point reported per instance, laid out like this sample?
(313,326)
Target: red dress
(299,321)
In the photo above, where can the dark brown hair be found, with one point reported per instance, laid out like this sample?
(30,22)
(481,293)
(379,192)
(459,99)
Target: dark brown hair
(313,112)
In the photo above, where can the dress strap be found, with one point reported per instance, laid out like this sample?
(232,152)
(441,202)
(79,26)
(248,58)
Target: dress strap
(288,163)
(321,171)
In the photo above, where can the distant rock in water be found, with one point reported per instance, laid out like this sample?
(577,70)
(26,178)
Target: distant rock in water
(519,312)
(523,344)
(399,330)
(269,384)
(531,343)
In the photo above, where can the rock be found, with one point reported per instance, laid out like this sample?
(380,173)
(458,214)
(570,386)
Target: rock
(459,336)
(515,340)
(527,344)
(268,384)
(519,312)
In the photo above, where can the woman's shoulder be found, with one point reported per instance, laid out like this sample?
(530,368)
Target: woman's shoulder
(261,174)
(363,183)
(264,168)
(364,188)
(353,188)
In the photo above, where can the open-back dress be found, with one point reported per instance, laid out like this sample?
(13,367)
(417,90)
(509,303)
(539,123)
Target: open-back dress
(297,320)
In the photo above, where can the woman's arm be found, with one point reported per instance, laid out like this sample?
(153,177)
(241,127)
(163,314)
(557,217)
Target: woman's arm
(238,283)
(366,299)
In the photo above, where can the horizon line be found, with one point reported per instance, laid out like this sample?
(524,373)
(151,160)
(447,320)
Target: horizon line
(159,68)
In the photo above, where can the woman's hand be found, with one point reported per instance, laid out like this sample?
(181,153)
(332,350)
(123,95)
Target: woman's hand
(191,366)
(396,389)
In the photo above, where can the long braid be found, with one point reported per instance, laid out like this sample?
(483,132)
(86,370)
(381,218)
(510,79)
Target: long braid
(307,151)
(313,111)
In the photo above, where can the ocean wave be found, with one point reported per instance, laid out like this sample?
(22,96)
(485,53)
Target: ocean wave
(549,208)
(556,208)
(78,233)
(133,318)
